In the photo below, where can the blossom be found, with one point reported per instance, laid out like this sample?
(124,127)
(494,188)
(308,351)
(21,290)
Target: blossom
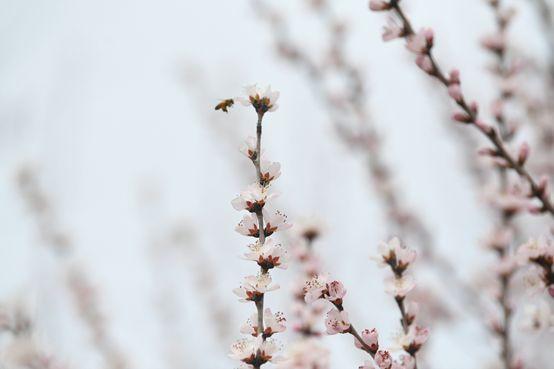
(262,100)
(500,238)
(392,30)
(538,317)
(254,287)
(370,338)
(309,228)
(523,153)
(337,322)
(535,249)
(275,221)
(399,287)
(248,226)
(248,148)
(254,350)
(268,255)
(308,353)
(318,287)
(425,63)
(244,350)
(421,42)
(455,92)
(383,359)
(405,362)
(394,254)
(273,323)
(253,198)
(412,341)
(269,170)
(495,42)
(379,5)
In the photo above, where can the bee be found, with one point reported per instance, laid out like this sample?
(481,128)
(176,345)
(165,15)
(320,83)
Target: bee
(224,105)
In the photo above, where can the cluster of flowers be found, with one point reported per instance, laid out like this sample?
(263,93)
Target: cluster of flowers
(307,351)
(539,255)
(399,258)
(258,347)
(421,44)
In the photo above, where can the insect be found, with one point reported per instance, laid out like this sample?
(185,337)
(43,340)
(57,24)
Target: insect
(224,105)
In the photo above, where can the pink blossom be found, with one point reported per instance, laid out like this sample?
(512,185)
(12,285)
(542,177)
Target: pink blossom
(270,171)
(396,255)
(405,362)
(274,221)
(273,323)
(335,292)
(383,359)
(494,43)
(399,286)
(262,100)
(249,147)
(370,338)
(414,339)
(319,287)
(392,30)
(425,63)
(337,322)
(523,153)
(455,92)
(421,42)
(268,255)
(461,117)
(254,287)
(308,353)
(248,226)
(543,186)
(532,250)
(253,198)
(379,5)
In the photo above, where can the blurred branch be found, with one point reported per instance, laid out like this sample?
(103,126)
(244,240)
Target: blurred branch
(77,282)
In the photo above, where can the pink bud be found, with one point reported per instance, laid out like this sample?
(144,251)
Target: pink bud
(454,76)
(474,107)
(484,127)
(455,92)
(551,290)
(523,153)
(370,338)
(487,151)
(543,185)
(429,36)
(424,62)
(494,43)
(535,209)
(461,117)
(497,109)
(379,5)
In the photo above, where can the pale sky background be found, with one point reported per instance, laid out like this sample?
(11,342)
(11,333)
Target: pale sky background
(94,94)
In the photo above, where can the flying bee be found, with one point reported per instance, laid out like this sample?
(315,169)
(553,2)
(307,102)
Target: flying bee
(224,105)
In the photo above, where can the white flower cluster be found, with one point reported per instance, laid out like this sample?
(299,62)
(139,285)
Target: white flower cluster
(261,222)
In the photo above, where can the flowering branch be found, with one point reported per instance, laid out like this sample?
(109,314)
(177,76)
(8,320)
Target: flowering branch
(77,282)
(261,223)
(352,104)
(421,44)
(501,239)
(398,258)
